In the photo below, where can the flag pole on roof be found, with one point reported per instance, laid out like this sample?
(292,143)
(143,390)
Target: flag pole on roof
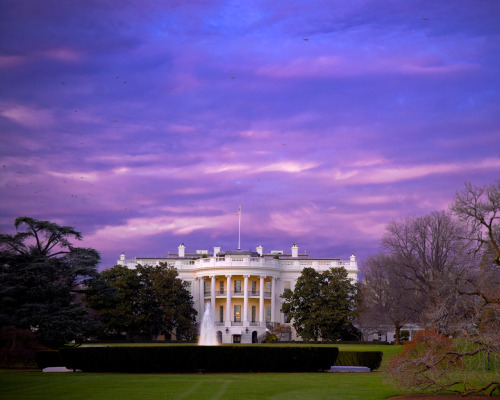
(239,227)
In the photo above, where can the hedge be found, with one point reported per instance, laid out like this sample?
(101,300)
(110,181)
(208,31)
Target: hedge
(370,359)
(48,358)
(200,359)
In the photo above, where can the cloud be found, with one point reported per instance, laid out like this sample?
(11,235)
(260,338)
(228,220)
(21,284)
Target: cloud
(27,116)
(391,174)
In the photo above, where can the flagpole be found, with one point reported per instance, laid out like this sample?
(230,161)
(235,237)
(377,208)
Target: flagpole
(239,228)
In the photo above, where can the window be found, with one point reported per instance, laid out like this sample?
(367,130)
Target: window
(221,286)
(287,285)
(268,313)
(237,286)
(268,288)
(221,314)
(207,287)
(254,287)
(254,313)
(237,313)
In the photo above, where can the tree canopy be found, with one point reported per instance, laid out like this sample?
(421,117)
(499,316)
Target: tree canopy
(322,304)
(41,273)
(144,302)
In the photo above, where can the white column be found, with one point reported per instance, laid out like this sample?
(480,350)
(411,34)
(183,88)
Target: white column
(273,299)
(212,296)
(228,301)
(245,301)
(261,302)
(202,296)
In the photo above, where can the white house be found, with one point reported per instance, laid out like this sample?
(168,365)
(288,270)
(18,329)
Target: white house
(243,286)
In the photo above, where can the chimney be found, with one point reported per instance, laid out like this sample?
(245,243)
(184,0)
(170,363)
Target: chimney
(216,251)
(122,256)
(295,250)
(182,249)
(260,249)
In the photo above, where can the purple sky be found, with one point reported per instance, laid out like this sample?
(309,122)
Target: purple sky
(145,124)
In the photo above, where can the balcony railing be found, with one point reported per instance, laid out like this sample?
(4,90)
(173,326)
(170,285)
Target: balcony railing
(251,293)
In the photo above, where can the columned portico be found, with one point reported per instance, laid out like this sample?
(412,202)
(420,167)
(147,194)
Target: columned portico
(212,294)
(243,287)
(202,296)
(261,302)
(228,301)
(246,322)
(273,299)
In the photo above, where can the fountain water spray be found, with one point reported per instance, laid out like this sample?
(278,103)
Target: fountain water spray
(208,334)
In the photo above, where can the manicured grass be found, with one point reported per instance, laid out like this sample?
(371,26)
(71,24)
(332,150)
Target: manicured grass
(34,385)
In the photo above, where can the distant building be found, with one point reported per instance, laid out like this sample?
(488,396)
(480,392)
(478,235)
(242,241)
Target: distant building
(243,286)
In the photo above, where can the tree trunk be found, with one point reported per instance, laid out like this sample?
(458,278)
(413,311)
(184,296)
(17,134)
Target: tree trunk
(396,335)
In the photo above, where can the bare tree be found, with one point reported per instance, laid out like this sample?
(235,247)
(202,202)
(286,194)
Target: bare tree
(430,254)
(468,306)
(387,297)
(479,208)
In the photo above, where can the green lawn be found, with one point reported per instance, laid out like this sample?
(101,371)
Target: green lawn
(34,385)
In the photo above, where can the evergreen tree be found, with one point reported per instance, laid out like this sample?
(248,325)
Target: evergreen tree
(322,305)
(41,274)
(145,302)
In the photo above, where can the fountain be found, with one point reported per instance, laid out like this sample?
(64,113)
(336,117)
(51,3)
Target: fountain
(208,334)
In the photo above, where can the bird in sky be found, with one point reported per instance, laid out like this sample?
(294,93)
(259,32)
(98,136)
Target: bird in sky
(306,39)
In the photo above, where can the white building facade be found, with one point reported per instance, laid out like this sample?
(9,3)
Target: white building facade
(244,288)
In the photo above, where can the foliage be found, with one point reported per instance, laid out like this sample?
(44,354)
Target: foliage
(18,347)
(463,287)
(196,358)
(41,272)
(144,302)
(322,305)
(370,359)
(48,358)
(421,365)
(271,338)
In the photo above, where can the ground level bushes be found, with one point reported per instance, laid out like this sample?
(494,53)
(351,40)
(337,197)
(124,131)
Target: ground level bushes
(370,359)
(200,359)
(18,347)
(433,362)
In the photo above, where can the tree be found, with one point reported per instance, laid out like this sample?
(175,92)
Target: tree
(387,297)
(143,302)
(322,305)
(114,294)
(468,308)
(479,208)
(41,272)
(430,254)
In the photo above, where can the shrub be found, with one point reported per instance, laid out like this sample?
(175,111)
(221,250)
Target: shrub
(272,338)
(200,358)
(17,347)
(423,361)
(370,359)
(404,335)
(48,358)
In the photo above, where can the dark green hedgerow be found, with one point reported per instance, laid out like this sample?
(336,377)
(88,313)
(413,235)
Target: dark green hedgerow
(200,358)
(48,358)
(370,359)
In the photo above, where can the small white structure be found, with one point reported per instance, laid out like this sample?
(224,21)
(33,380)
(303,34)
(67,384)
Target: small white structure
(242,286)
